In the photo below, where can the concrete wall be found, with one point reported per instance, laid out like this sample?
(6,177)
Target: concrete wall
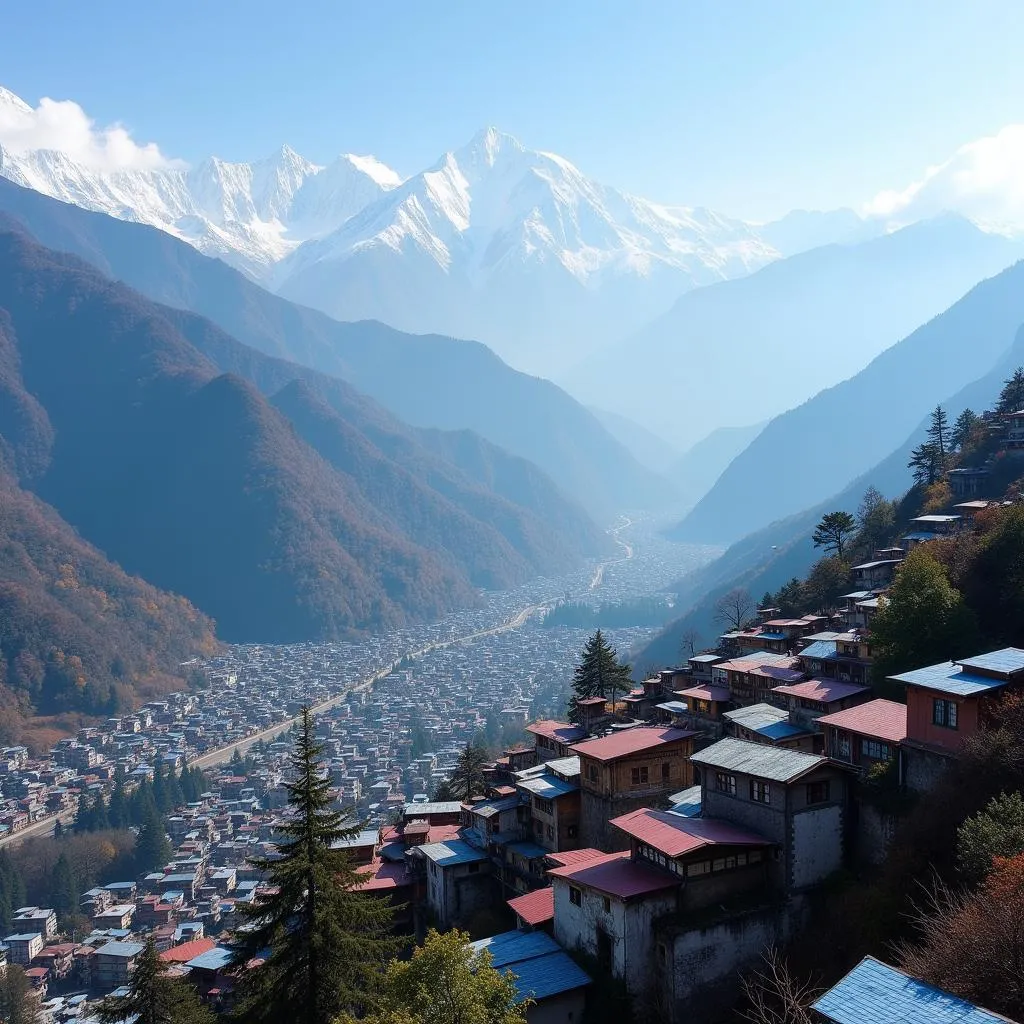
(816,845)
(596,811)
(923,769)
(566,1008)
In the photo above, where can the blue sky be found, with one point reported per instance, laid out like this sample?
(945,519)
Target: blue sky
(752,108)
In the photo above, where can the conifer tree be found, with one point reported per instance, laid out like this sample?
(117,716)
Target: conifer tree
(938,432)
(152,847)
(328,940)
(118,809)
(12,890)
(160,796)
(468,775)
(962,428)
(153,998)
(1011,398)
(83,814)
(64,887)
(18,1003)
(175,795)
(598,674)
(833,532)
(98,818)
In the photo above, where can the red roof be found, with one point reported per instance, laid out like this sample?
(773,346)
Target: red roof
(573,857)
(560,732)
(415,836)
(880,719)
(535,907)
(630,741)
(383,874)
(617,875)
(187,950)
(823,690)
(719,693)
(674,835)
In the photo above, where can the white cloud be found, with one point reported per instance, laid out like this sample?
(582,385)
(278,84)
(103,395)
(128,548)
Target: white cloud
(63,125)
(983,180)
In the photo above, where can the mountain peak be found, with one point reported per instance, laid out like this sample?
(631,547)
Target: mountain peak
(490,143)
(11,101)
(374,169)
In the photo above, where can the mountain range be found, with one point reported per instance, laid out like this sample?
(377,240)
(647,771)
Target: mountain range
(513,247)
(430,382)
(745,350)
(278,500)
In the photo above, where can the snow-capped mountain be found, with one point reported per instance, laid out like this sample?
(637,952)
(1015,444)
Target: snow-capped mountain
(497,242)
(519,249)
(250,215)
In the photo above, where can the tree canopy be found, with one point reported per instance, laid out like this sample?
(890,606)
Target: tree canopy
(833,532)
(599,673)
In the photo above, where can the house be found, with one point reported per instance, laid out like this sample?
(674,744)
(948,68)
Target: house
(968,482)
(628,769)
(874,575)
(794,799)
(118,916)
(437,812)
(931,527)
(874,991)
(843,656)
(113,963)
(543,973)
(809,700)
(705,702)
(605,906)
(554,739)
(750,679)
(41,919)
(948,702)
(458,880)
(768,723)
(553,792)
(866,734)
(24,947)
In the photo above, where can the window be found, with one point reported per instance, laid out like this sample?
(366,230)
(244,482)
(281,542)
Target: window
(702,867)
(607,904)
(754,857)
(592,773)
(666,770)
(543,806)
(944,713)
(725,783)
(875,750)
(639,776)
(760,791)
(571,831)
(474,868)
(550,832)
(575,896)
(817,792)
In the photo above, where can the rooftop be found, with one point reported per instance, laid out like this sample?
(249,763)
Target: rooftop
(880,719)
(560,732)
(540,967)
(719,693)
(535,907)
(1007,662)
(675,835)
(766,720)
(875,993)
(766,762)
(184,952)
(617,875)
(687,802)
(823,690)
(451,852)
(630,741)
(948,677)
(549,787)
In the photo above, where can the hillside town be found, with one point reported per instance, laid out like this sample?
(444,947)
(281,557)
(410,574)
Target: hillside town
(661,835)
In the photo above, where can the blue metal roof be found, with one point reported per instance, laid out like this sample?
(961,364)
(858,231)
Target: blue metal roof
(677,707)
(215,959)
(1009,660)
(125,949)
(548,786)
(875,993)
(527,849)
(511,947)
(545,976)
(451,852)
(819,649)
(687,802)
(948,677)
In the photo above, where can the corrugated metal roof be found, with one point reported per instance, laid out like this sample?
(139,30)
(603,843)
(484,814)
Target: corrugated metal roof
(451,852)
(880,718)
(489,808)
(778,764)
(674,835)
(1008,661)
(433,807)
(548,786)
(875,993)
(948,677)
(719,693)
(546,976)
(561,732)
(823,690)
(535,907)
(675,707)
(125,949)
(819,649)
(215,959)
(567,766)
(755,716)
(566,858)
(617,875)
(515,946)
(630,741)
(687,802)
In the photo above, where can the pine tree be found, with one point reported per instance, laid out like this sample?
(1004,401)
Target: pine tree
(468,775)
(1011,398)
(160,795)
(598,674)
(152,847)
(925,464)
(98,818)
(833,531)
(18,1003)
(962,429)
(64,887)
(938,432)
(153,998)
(328,940)
(118,809)
(175,794)
(83,814)
(12,891)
